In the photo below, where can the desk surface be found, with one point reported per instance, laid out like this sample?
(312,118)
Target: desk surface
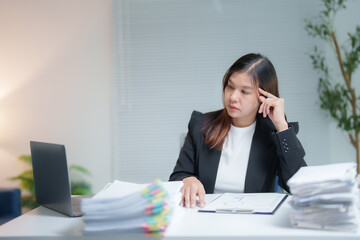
(185,223)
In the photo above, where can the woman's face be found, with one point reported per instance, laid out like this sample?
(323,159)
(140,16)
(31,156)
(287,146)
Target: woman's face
(241,99)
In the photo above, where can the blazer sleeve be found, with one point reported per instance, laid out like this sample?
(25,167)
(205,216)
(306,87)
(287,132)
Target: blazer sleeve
(290,152)
(186,163)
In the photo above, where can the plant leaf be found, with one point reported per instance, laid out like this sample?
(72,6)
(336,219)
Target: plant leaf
(80,169)
(26,158)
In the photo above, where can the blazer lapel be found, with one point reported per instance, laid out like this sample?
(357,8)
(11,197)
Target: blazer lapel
(208,167)
(260,156)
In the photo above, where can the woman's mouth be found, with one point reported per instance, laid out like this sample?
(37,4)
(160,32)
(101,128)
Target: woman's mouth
(233,108)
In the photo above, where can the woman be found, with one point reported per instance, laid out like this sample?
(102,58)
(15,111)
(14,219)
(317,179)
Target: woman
(242,147)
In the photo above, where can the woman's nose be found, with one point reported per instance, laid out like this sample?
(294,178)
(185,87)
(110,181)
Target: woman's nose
(234,97)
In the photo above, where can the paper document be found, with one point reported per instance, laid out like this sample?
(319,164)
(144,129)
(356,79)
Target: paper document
(264,203)
(331,173)
(325,197)
(119,189)
(123,207)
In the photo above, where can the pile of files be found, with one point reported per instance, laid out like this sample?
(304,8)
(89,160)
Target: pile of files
(325,197)
(129,208)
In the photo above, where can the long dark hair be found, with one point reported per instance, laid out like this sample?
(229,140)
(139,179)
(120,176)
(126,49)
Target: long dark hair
(264,76)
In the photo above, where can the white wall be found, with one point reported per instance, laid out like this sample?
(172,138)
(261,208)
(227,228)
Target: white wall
(55,82)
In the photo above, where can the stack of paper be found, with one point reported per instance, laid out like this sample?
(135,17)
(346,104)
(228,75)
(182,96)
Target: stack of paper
(131,208)
(325,197)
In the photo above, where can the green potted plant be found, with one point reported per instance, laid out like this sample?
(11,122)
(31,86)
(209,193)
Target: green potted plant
(337,95)
(79,186)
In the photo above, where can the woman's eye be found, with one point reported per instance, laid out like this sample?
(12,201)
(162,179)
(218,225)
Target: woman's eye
(231,87)
(245,92)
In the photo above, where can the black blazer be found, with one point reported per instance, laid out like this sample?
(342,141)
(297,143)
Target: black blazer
(271,154)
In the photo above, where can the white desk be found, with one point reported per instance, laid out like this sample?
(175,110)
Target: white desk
(43,222)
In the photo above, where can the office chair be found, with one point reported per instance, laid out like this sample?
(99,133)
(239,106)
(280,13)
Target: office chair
(10,201)
(278,189)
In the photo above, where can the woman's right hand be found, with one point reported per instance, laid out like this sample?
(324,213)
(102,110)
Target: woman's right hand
(192,187)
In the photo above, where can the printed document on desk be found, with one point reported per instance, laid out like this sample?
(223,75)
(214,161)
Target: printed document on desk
(260,203)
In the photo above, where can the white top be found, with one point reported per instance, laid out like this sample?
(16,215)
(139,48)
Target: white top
(234,160)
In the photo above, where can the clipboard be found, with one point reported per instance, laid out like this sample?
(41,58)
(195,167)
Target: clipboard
(246,203)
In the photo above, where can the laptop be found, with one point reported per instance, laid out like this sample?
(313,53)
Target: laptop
(51,178)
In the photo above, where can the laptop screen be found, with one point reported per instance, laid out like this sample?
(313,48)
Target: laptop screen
(51,178)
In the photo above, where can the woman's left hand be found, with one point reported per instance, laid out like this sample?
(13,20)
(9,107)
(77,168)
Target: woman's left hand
(273,107)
